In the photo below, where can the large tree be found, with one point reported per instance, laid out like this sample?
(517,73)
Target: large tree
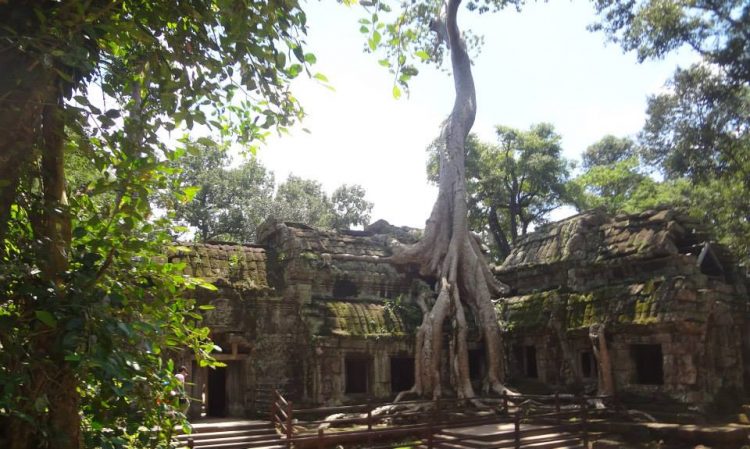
(447,252)
(87,308)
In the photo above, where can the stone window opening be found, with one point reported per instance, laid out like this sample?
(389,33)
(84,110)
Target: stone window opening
(526,361)
(708,262)
(402,373)
(649,364)
(357,374)
(530,362)
(345,288)
(589,368)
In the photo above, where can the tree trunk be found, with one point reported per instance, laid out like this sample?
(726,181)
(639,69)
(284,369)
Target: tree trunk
(448,253)
(22,90)
(606,382)
(51,377)
(557,324)
(498,234)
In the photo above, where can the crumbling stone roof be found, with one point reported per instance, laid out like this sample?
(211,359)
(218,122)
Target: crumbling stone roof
(593,236)
(235,265)
(344,318)
(372,241)
(658,301)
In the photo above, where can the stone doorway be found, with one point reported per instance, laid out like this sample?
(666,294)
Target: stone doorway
(216,393)
(219,392)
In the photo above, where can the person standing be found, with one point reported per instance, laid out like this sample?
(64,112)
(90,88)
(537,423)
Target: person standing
(181,393)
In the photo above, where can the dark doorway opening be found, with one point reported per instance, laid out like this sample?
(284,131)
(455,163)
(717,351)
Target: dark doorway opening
(530,362)
(588,364)
(357,375)
(402,373)
(217,392)
(344,288)
(476,362)
(649,364)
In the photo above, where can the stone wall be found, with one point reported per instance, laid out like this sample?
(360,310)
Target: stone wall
(664,292)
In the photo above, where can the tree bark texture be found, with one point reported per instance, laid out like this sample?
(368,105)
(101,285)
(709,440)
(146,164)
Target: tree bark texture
(557,324)
(448,253)
(498,234)
(23,87)
(606,380)
(33,129)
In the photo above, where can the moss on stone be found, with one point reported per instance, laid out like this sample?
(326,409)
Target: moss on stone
(363,319)
(639,304)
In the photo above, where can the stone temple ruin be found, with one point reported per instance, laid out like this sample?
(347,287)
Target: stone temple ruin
(324,317)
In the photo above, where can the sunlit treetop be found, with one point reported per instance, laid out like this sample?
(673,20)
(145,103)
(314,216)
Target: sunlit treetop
(718,30)
(220,63)
(406,33)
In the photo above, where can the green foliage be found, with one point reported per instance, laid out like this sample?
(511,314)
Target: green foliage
(229,202)
(698,133)
(717,30)
(513,184)
(350,207)
(609,150)
(615,181)
(91,334)
(412,33)
(304,201)
(700,128)
(119,310)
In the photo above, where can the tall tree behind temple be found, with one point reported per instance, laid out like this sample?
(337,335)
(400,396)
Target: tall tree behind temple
(513,184)
(229,202)
(305,201)
(698,132)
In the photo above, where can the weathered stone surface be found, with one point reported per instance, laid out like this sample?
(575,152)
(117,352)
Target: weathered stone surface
(644,277)
(306,308)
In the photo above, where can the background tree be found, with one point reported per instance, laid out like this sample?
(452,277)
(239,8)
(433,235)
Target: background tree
(716,30)
(699,131)
(230,202)
(350,208)
(304,201)
(513,184)
(84,296)
(609,151)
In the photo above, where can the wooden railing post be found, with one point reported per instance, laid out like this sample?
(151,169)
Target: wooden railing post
(505,402)
(557,405)
(274,409)
(369,415)
(191,443)
(431,426)
(517,428)
(584,424)
(369,420)
(320,438)
(289,429)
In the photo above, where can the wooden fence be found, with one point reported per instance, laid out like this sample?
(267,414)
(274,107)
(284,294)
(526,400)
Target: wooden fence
(305,428)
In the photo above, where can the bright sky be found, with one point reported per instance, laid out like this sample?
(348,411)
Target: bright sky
(540,65)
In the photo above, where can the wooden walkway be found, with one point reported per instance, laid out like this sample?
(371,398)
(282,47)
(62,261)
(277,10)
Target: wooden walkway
(503,435)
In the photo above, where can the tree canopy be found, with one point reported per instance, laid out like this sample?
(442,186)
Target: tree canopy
(91,311)
(697,132)
(230,202)
(513,184)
